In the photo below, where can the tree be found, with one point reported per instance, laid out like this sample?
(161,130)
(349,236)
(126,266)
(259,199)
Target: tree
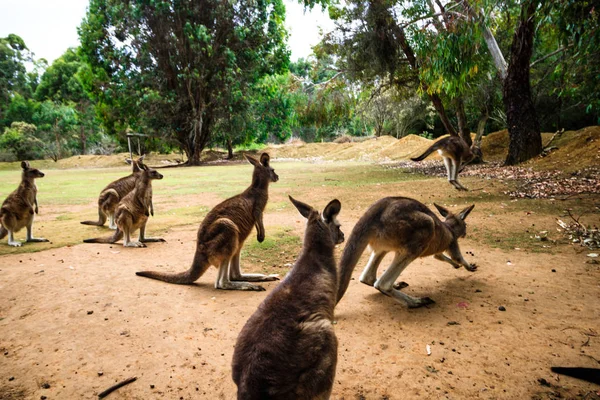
(55,123)
(20,139)
(13,75)
(173,65)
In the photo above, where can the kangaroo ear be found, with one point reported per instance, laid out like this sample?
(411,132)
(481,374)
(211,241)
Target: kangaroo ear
(264,159)
(143,167)
(332,210)
(304,209)
(251,160)
(24,164)
(443,211)
(463,214)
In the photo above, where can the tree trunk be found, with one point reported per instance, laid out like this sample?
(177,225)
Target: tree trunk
(463,128)
(523,125)
(229,149)
(476,148)
(83,139)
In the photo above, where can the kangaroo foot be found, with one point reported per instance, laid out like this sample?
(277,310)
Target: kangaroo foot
(420,302)
(256,278)
(134,244)
(400,285)
(411,302)
(37,240)
(471,267)
(14,243)
(239,286)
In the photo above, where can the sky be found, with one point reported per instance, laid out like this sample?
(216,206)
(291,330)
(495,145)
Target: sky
(49,27)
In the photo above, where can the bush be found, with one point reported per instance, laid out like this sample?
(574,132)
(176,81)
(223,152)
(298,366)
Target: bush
(21,141)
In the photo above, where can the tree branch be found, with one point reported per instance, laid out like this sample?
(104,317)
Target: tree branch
(560,49)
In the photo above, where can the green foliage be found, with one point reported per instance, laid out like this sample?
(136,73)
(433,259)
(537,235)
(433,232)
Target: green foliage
(20,139)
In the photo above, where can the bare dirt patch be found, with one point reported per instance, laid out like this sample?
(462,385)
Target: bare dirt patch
(75,319)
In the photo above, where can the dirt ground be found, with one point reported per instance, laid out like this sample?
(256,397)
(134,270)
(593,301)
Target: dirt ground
(75,320)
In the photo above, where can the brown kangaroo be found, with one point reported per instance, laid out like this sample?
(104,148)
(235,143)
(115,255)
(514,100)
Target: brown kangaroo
(112,194)
(132,211)
(18,208)
(288,348)
(456,154)
(222,234)
(409,229)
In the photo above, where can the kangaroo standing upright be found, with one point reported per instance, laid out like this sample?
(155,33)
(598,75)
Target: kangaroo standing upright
(111,195)
(409,229)
(132,211)
(19,207)
(456,154)
(288,348)
(222,234)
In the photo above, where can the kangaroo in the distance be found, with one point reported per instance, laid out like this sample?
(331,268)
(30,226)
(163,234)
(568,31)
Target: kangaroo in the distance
(455,153)
(132,212)
(19,207)
(409,229)
(223,231)
(111,195)
(288,347)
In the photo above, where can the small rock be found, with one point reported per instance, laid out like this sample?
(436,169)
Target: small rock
(502,308)
(43,397)
(45,385)
(151,386)
(477,290)
(90,312)
(12,378)
(453,323)
(100,373)
(553,270)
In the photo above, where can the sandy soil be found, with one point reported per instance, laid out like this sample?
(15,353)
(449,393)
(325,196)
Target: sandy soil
(75,320)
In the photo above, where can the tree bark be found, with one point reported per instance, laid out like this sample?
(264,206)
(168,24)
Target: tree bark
(83,139)
(523,125)
(463,128)
(229,149)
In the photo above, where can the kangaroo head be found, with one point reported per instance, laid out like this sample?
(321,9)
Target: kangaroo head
(326,222)
(262,167)
(151,173)
(30,173)
(456,223)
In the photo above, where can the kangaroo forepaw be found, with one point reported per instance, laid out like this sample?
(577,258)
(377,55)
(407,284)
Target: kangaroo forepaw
(400,285)
(471,267)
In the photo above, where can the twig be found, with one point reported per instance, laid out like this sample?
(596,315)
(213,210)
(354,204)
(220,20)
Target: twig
(115,387)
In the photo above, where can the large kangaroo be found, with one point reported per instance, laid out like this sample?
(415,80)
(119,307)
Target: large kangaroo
(132,211)
(18,208)
(288,348)
(222,234)
(409,229)
(111,195)
(456,154)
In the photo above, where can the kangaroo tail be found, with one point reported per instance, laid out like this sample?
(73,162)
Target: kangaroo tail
(198,268)
(101,219)
(358,242)
(430,150)
(116,236)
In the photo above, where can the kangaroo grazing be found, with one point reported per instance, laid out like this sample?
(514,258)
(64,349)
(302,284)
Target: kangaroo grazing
(18,208)
(456,154)
(111,195)
(222,234)
(132,212)
(409,229)
(288,348)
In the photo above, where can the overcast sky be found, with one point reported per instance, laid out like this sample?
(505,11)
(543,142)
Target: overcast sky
(49,27)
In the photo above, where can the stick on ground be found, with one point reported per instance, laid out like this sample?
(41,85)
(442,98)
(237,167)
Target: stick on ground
(115,387)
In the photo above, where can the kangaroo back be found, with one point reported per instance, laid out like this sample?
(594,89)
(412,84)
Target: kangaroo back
(288,349)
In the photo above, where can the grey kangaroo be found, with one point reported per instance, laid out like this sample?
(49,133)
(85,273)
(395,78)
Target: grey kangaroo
(288,348)
(456,154)
(18,208)
(409,229)
(132,212)
(222,234)
(111,195)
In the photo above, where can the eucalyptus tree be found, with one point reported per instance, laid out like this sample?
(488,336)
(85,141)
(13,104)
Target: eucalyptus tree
(174,63)
(13,74)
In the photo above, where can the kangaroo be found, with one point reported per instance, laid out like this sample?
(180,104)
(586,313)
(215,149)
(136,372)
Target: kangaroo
(222,234)
(110,196)
(132,211)
(456,154)
(18,208)
(288,348)
(409,229)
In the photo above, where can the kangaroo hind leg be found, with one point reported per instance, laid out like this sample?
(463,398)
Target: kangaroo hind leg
(143,239)
(30,237)
(369,274)
(235,272)
(223,281)
(386,282)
